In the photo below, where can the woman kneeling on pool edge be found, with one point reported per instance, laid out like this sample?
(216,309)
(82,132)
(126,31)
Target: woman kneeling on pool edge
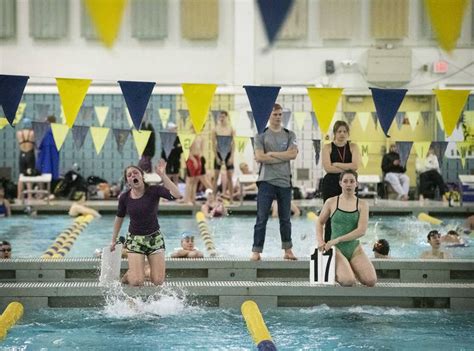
(144,237)
(349,217)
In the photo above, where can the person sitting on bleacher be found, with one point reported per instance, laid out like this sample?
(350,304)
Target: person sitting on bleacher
(395,173)
(430,176)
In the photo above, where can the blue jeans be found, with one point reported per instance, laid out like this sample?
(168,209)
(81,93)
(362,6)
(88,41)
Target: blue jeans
(266,194)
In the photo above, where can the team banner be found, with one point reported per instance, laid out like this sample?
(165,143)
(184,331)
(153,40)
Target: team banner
(164,114)
(463,148)
(421,148)
(19,113)
(446,19)
(324,102)
(349,116)
(274,14)
(99,135)
(79,134)
(261,101)
(299,118)
(375,118)
(11,91)
(101,113)
(413,119)
(224,145)
(59,134)
(451,103)
(186,140)
(387,102)
(363,119)
(121,137)
(317,150)
(141,139)
(364,147)
(136,95)
(167,142)
(198,98)
(72,93)
(404,148)
(240,143)
(106,15)
(439,148)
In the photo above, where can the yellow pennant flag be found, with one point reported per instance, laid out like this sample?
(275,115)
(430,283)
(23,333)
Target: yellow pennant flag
(106,16)
(363,119)
(101,113)
(72,93)
(451,104)
(3,122)
(300,119)
(446,18)
(463,148)
(59,134)
(98,137)
(469,119)
(19,113)
(141,139)
(324,101)
(198,98)
(164,116)
(413,119)
(186,140)
(240,143)
(421,148)
(364,147)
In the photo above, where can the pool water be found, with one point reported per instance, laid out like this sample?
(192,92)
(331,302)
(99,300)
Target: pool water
(233,235)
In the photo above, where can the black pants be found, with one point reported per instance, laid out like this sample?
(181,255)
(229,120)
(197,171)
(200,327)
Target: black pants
(429,181)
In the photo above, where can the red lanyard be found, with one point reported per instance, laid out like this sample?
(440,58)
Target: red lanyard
(343,155)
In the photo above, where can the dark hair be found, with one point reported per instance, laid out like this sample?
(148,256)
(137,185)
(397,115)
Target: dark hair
(4,242)
(432,233)
(382,247)
(339,124)
(452,232)
(51,119)
(348,171)
(224,112)
(277,107)
(139,169)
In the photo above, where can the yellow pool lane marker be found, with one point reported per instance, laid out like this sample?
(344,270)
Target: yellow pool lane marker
(9,317)
(312,216)
(205,234)
(427,218)
(256,326)
(66,239)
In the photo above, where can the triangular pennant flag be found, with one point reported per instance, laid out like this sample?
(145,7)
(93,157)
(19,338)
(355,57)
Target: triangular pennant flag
(252,120)
(261,101)
(324,102)
(19,113)
(463,148)
(299,119)
(3,122)
(451,103)
(106,15)
(224,145)
(136,95)
(79,134)
(317,150)
(413,119)
(11,91)
(469,119)
(421,148)
(184,114)
(349,117)
(439,118)
(40,129)
(364,147)
(399,117)
(252,139)
(240,143)
(164,117)
(42,110)
(86,113)
(186,140)
(314,120)
(439,148)
(387,102)
(404,148)
(167,142)
(121,136)
(446,19)
(363,119)
(375,118)
(59,134)
(273,15)
(286,118)
(215,115)
(72,93)
(141,139)
(99,135)
(426,115)
(198,98)
(101,113)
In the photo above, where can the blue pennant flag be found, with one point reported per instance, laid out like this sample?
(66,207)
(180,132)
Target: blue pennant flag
(261,101)
(439,148)
(136,95)
(121,136)
(224,145)
(215,114)
(79,134)
(387,102)
(167,142)
(404,148)
(11,91)
(274,13)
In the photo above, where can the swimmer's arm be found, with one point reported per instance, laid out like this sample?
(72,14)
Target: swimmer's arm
(321,221)
(284,156)
(361,226)
(328,166)
(117,225)
(167,182)
(180,253)
(263,157)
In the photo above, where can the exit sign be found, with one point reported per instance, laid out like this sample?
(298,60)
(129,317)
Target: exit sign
(440,66)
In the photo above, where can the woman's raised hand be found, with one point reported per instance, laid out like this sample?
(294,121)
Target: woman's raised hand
(161,167)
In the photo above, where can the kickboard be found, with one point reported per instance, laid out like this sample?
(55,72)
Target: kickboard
(110,265)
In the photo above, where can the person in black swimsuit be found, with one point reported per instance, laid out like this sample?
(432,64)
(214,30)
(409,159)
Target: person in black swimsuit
(338,156)
(26,142)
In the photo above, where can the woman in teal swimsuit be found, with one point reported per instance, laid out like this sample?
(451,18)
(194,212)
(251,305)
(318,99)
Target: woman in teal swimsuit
(349,217)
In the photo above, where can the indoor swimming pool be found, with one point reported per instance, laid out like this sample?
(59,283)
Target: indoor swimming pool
(233,235)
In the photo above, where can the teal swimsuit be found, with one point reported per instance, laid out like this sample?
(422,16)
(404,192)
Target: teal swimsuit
(343,222)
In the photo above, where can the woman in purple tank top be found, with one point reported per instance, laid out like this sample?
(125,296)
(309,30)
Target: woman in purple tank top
(144,237)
